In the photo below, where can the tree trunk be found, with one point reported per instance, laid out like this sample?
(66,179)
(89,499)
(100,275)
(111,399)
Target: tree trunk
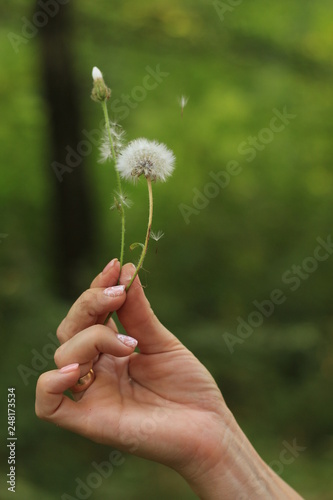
(71,215)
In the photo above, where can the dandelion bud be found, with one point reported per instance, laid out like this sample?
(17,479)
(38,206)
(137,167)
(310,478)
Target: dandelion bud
(97,74)
(149,158)
(100,91)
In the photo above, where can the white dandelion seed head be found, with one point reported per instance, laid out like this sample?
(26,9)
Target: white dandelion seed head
(118,135)
(149,158)
(157,236)
(96,74)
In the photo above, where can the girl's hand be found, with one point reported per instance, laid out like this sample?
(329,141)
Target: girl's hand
(159,403)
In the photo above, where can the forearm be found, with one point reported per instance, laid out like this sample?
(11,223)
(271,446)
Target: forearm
(238,473)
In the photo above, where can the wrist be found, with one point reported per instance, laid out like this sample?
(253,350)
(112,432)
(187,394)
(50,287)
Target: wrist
(230,469)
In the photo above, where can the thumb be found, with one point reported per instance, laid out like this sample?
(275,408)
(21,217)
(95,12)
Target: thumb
(51,404)
(139,320)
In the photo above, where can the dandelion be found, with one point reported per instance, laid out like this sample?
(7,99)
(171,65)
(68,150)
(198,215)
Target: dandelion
(183,100)
(149,158)
(156,162)
(140,157)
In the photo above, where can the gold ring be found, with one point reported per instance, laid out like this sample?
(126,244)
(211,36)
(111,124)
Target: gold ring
(84,382)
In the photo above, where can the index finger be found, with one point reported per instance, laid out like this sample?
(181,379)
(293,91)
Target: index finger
(93,306)
(108,277)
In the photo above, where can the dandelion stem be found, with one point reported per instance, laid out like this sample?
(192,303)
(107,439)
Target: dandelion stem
(145,247)
(122,211)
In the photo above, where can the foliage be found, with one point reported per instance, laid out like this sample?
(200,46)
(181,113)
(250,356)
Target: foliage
(203,275)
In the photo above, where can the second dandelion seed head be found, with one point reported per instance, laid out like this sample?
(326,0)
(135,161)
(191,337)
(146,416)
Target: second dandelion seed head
(118,137)
(143,157)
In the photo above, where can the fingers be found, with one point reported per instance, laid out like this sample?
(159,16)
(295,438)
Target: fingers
(92,307)
(51,404)
(89,343)
(139,320)
(135,314)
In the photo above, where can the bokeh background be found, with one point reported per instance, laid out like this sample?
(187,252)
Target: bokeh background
(237,63)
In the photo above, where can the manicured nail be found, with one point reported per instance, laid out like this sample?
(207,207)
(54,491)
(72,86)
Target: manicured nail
(128,341)
(127,278)
(69,368)
(109,265)
(114,291)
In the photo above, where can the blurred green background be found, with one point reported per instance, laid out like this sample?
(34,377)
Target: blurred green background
(237,64)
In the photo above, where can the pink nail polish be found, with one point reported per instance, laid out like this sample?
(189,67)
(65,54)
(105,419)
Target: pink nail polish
(69,368)
(128,341)
(109,265)
(114,291)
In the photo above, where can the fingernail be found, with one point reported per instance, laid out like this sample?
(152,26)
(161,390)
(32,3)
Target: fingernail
(128,341)
(127,278)
(69,368)
(109,265)
(114,291)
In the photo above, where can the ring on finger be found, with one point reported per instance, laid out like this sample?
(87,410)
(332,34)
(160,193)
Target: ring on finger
(84,382)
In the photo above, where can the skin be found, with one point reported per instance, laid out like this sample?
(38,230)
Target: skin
(159,403)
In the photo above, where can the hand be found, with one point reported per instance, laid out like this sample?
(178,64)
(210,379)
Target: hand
(148,402)
(160,403)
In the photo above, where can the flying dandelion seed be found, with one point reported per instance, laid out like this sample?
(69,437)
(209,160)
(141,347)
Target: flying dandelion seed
(156,236)
(183,100)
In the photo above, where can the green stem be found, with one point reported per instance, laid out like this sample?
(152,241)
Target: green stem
(145,247)
(120,191)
